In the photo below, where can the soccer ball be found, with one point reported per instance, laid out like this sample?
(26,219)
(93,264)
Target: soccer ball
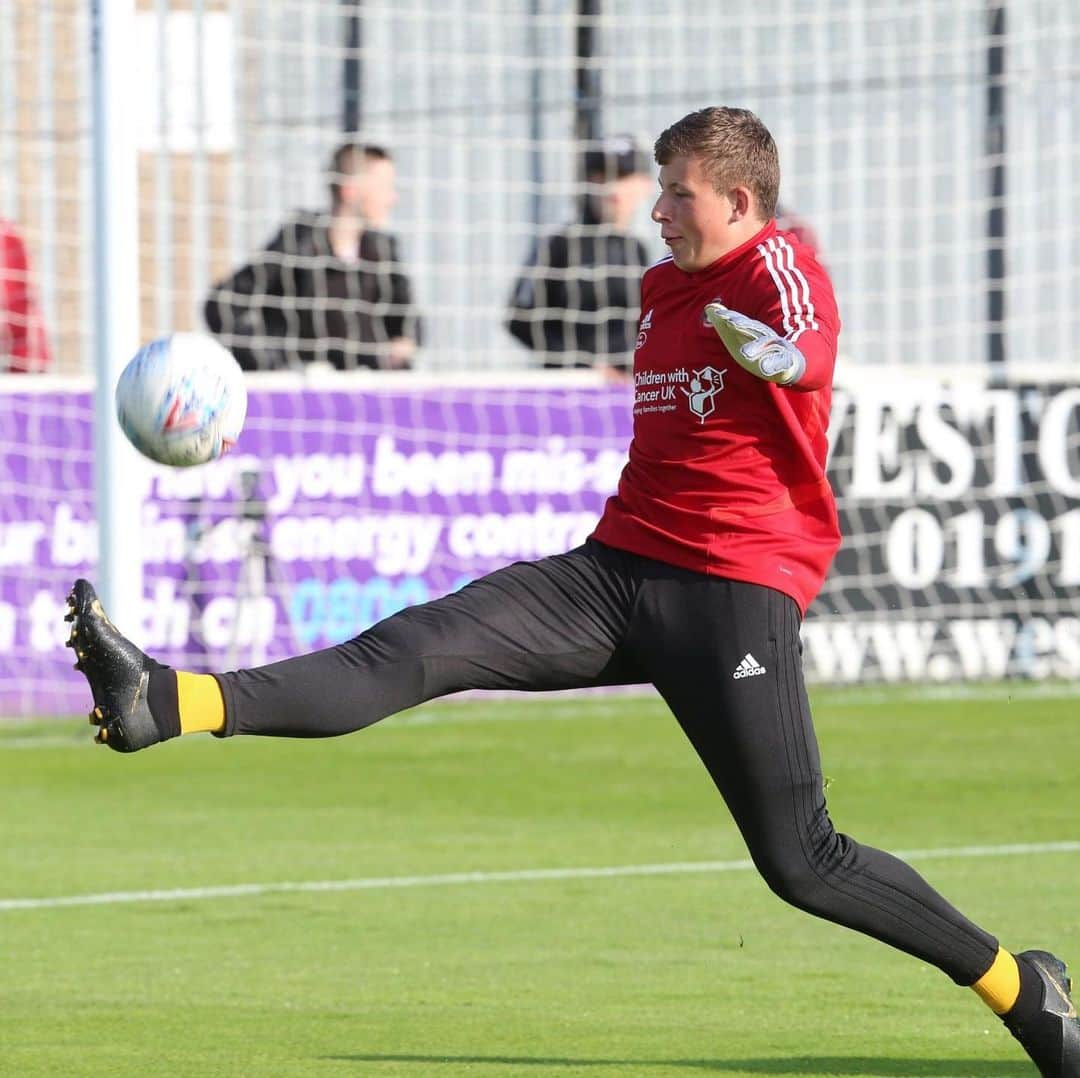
(182,400)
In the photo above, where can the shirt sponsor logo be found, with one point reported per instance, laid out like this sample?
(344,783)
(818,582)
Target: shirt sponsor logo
(705,384)
(658,391)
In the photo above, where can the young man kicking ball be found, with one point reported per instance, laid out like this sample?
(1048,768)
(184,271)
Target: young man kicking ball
(696,580)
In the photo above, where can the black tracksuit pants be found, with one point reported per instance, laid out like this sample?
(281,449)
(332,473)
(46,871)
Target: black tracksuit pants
(726,657)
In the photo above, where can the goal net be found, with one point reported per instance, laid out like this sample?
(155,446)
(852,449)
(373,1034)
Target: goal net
(931,147)
(931,150)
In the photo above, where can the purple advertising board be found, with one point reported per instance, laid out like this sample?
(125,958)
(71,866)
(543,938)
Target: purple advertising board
(337,508)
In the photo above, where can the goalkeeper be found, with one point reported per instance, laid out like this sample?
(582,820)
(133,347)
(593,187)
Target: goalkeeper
(695,579)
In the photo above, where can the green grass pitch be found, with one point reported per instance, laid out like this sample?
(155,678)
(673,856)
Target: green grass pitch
(427,938)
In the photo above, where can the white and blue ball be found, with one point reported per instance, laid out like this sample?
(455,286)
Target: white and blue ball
(182,400)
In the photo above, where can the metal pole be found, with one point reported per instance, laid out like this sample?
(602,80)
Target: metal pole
(352,75)
(536,123)
(119,473)
(995,217)
(587,125)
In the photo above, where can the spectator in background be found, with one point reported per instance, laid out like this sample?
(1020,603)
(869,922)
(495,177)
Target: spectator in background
(576,302)
(23,343)
(329,288)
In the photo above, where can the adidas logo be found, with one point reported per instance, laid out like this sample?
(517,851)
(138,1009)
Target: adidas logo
(749,667)
(646,322)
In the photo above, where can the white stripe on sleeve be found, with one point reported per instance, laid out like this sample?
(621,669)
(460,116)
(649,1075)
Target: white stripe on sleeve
(766,253)
(787,259)
(791,286)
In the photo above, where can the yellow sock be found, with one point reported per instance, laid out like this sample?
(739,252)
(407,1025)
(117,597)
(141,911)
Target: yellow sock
(201,705)
(999,986)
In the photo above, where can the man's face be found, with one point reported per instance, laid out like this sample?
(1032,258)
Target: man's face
(697,224)
(374,191)
(623,196)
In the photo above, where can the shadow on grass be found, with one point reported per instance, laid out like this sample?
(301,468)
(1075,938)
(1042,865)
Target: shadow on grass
(876,1067)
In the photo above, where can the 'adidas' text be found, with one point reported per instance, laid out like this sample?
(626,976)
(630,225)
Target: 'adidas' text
(749,667)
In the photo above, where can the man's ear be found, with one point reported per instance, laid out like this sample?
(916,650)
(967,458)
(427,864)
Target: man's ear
(741,203)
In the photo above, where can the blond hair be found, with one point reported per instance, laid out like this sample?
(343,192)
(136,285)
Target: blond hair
(735,150)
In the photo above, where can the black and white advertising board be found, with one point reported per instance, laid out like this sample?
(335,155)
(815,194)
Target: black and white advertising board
(960,507)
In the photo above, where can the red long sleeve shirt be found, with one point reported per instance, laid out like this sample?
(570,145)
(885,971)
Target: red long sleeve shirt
(726,472)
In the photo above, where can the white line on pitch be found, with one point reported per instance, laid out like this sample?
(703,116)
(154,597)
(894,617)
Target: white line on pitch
(382,883)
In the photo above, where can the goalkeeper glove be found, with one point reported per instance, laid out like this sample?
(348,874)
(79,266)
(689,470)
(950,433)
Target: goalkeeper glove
(755,347)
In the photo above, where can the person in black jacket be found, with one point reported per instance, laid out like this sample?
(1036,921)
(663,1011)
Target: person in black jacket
(328,288)
(576,302)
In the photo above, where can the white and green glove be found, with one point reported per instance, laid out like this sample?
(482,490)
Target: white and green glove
(755,347)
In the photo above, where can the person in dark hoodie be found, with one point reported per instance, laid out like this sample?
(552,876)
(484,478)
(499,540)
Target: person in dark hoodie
(576,301)
(328,288)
